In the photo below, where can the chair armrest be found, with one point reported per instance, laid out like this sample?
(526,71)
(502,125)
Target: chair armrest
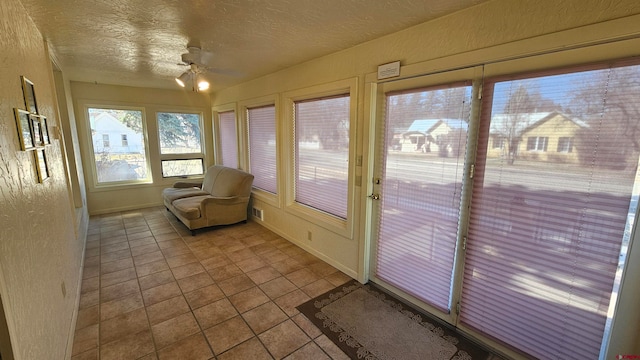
(187,184)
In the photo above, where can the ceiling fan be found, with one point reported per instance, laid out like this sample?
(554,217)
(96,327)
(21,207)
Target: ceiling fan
(193,76)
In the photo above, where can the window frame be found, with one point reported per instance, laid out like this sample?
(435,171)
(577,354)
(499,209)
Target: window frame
(343,227)
(182,156)
(90,162)
(217,141)
(269,100)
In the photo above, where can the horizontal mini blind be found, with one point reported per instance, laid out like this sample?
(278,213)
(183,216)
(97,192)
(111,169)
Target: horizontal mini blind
(262,147)
(228,139)
(426,141)
(322,153)
(547,222)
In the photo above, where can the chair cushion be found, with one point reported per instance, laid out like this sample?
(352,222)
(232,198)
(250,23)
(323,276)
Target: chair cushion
(189,208)
(171,194)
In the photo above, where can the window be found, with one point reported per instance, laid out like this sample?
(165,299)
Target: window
(542,256)
(565,145)
(180,138)
(113,163)
(537,143)
(228,139)
(498,142)
(322,153)
(262,147)
(125,142)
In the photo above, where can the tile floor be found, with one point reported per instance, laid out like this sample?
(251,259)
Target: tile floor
(150,290)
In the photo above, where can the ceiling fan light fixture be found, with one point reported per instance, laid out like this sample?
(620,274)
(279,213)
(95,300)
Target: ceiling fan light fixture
(203,85)
(182,79)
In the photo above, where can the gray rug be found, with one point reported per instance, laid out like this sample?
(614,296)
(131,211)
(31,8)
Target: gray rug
(367,323)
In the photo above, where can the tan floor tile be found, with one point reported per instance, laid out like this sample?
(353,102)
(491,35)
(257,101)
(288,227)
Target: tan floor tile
(330,348)
(206,253)
(113,266)
(187,270)
(152,267)
(129,347)
(248,299)
(277,287)
(176,243)
(264,317)
(88,316)
(114,247)
(152,356)
(263,274)
(123,325)
(338,278)
(114,238)
(194,347)
(90,284)
(322,269)
(288,302)
(161,293)
(307,326)
(214,313)
(148,258)
(149,240)
(195,282)
(309,351)
(85,339)
(120,306)
(167,236)
(302,277)
(173,252)
(250,349)
(225,272)
(250,264)
(117,277)
(204,296)
(92,257)
(318,288)
(162,230)
(181,260)
(283,339)
(274,256)
(215,262)
(139,235)
(242,254)
(87,355)
(91,271)
(228,334)
(167,309)
(287,266)
(174,329)
(144,249)
(136,227)
(119,290)
(262,248)
(89,299)
(156,279)
(235,284)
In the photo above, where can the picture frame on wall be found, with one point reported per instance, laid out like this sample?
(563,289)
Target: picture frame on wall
(36,129)
(29,92)
(23,123)
(44,128)
(42,166)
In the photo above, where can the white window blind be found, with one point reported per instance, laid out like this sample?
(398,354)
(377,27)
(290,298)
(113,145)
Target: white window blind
(426,140)
(262,147)
(546,228)
(228,139)
(322,154)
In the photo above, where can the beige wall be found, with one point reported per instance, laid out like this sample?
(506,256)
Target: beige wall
(40,253)
(492,33)
(117,198)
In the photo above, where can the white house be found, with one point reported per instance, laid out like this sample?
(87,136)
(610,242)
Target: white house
(112,136)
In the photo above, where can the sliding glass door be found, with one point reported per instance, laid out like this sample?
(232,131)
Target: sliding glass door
(525,247)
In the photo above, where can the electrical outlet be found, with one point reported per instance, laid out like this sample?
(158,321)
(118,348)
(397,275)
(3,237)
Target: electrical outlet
(63,287)
(309,235)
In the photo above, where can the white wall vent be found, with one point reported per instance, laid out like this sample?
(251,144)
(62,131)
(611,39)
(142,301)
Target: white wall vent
(257,213)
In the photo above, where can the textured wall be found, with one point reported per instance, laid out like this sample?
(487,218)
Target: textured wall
(39,251)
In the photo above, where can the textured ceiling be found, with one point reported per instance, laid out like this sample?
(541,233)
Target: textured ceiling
(140,42)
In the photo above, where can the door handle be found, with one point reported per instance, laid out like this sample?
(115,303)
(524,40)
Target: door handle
(374,196)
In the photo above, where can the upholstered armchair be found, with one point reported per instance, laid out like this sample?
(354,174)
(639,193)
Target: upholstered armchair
(221,199)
